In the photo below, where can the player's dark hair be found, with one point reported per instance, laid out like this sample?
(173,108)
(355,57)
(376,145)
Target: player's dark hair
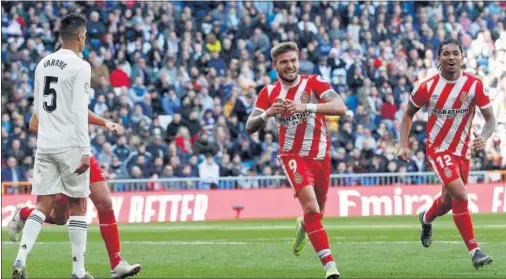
(449,41)
(71,25)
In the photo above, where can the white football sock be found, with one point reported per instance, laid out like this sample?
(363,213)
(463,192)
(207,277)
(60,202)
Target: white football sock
(31,231)
(78,233)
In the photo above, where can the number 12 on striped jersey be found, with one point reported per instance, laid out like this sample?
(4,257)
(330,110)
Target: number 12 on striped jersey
(444,161)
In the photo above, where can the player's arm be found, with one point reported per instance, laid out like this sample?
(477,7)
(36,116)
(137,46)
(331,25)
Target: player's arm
(483,102)
(33,126)
(93,119)
(490,122)
(80,90)
(262,112)
(256,121)
(406,122)
(417,99)
(332,104)
(97,120)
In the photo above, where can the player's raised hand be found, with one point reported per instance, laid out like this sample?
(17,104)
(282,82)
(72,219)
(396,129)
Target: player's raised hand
(275,109)
(85,164)
(479,143)
(293,107)
(403,154)
(114,128)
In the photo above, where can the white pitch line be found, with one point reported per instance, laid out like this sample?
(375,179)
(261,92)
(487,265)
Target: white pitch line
(288,227)
(334,226)
(201,242)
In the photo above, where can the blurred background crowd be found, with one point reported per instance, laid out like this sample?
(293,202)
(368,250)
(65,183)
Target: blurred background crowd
(182,78)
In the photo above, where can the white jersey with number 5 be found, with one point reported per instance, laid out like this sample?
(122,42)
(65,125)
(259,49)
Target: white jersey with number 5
(61,97)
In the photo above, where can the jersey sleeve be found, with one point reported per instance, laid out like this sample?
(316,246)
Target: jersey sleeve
(36,90)
(81,92)
(262,102)
(320,87)
(420,95)
(482,99)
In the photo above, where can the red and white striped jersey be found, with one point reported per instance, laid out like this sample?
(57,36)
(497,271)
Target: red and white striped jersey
(451,107)
(301,134)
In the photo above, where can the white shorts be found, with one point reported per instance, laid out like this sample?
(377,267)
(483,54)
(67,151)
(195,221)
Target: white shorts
(54,174)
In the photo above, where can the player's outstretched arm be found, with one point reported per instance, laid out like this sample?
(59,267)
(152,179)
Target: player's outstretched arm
(97,120)
(332,104)
(489,128)
(406,122)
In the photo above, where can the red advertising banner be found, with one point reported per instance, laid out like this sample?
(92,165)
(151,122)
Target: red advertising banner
(183,206)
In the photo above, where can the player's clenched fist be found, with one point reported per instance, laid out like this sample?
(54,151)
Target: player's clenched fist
(292,107)
(403,154)
(275,109)
(114,128)
(479,143)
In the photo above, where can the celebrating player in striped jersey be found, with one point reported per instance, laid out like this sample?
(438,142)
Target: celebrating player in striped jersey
(300,103)
(450,98)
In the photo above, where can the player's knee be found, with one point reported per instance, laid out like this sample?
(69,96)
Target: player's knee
(77,206)
(311,208)
(45,204)
(446,199)
(103,204)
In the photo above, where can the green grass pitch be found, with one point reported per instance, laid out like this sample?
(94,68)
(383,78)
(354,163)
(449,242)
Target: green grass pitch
(368,247)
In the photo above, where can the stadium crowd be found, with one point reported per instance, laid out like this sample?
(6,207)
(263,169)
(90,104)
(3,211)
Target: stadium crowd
(182,78)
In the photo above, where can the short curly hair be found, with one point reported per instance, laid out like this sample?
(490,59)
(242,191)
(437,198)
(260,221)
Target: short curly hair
(71,24)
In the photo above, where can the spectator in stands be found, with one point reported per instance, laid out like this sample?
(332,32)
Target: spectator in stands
(203,146)
(199,67)
(119,78)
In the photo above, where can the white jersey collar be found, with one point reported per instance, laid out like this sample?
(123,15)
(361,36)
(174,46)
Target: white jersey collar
(67,51)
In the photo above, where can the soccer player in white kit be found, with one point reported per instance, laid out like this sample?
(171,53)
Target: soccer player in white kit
(61,97)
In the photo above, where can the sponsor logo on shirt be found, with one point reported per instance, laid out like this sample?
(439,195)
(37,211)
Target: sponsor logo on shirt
(450,113)
(294,119)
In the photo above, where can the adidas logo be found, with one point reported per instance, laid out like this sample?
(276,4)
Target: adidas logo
(23,246)
(74,259)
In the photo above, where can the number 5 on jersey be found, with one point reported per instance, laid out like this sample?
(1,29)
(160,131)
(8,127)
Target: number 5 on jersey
(49,103)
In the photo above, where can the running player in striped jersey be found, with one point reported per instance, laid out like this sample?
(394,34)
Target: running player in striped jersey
(451,98)
(300,103)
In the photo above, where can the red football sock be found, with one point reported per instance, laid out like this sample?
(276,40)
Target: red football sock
(437,209)
(110,234)
(318,236)
(462,219)
(25,212)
